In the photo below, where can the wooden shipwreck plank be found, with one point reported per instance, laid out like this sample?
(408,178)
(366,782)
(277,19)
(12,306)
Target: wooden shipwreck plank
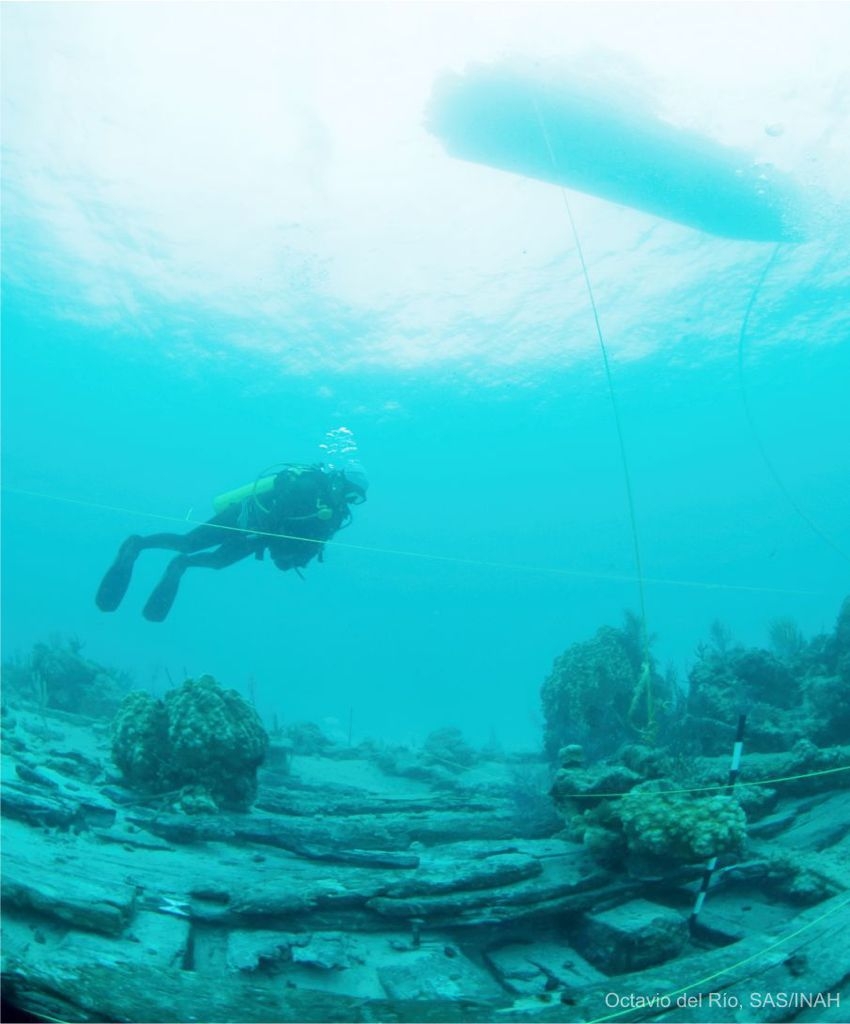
(80,900)
(808,956)
(91,993)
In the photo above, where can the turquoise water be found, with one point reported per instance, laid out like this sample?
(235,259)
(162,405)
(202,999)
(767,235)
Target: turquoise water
(191,295)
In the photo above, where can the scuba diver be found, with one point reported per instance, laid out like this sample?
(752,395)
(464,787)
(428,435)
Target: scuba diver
(290,513)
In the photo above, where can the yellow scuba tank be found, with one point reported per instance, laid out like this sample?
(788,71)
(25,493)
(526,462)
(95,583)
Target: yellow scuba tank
(260,486)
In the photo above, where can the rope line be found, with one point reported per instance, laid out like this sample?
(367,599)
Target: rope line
(587,574)
(720,787)
(781,941)
(645,680)
(771,468)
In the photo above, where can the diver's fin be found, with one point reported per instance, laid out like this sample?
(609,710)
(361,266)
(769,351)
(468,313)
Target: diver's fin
(114,584)
(162,597)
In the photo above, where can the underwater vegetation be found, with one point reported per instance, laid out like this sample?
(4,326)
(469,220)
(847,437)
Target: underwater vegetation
(594,695)
(199,736)
(797,691)
(302,737)
(340,881)
(57,676)
(639,807)
(447,747)
(650,813)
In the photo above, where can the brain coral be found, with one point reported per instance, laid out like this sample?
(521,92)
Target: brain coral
(588,694)
(140,739)
(680,828)
(199,735)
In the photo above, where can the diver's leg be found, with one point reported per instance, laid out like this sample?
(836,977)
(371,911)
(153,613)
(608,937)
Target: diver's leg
(219,530)
(114,584)
(162,598)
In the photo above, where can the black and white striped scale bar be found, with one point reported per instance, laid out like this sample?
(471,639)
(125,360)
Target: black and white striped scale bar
(734,769)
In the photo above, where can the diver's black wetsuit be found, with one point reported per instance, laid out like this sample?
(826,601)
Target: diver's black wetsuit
(304,507)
